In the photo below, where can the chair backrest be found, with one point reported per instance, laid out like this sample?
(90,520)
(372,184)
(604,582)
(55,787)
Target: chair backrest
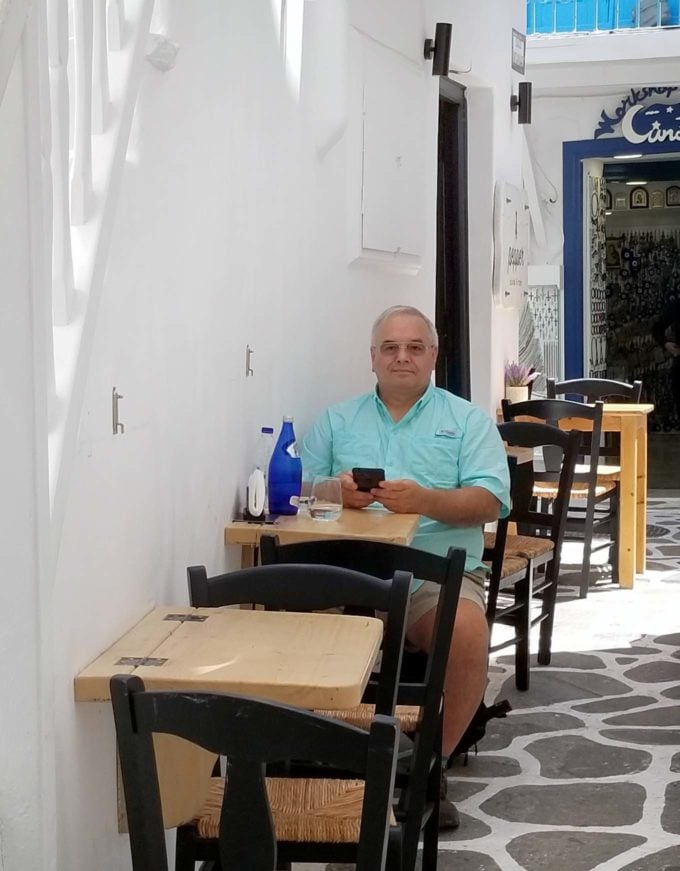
(531,518)
(592,389)
(524,512)
(552,411)
(382,559)
(251,733)
(317,588)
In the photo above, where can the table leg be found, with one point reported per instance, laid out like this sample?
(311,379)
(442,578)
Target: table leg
(184,772)
(627,503)
(641,525)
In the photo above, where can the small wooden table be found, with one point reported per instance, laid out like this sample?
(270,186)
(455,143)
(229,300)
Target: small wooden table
(372,523)
(630,419)
(307,660)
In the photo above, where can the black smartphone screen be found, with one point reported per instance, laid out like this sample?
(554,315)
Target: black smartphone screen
(367,479)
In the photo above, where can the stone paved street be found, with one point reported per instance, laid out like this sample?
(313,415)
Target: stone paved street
(585,772)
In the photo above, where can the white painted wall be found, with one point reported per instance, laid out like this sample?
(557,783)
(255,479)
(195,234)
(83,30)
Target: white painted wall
(233,227)
(26,795)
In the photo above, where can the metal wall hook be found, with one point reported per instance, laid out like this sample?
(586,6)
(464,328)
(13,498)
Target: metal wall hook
(117,426)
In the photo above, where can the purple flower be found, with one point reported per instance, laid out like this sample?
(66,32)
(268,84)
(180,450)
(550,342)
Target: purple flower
(519,375)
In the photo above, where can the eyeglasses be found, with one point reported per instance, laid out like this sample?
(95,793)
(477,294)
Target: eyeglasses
(413,349)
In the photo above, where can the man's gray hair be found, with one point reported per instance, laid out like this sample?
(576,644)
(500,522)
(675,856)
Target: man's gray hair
(405,310)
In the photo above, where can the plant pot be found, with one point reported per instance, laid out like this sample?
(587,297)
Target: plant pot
(517,393)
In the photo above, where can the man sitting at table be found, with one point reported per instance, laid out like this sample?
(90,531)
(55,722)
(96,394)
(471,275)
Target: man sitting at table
(443,459)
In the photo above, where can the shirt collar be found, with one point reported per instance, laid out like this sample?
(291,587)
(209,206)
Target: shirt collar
(414,409)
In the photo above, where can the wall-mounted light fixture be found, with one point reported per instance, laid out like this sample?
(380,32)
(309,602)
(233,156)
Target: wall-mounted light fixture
(439,49)
(521,103)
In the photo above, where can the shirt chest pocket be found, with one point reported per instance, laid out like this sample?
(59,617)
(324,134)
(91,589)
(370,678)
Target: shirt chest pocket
(435,461)
(350,450)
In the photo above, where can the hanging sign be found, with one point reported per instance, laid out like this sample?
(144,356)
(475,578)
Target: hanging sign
(511,243)
(659,122)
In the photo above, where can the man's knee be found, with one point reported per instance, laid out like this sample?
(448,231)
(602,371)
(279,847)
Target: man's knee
(470,637)
(470,631)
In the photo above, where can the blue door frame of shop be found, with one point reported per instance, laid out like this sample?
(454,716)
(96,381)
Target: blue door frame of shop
(573,153)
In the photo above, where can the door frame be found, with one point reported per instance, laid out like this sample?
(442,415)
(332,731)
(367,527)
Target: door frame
(452,296)
(573,153)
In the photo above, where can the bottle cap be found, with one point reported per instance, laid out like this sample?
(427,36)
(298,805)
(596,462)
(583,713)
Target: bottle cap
(268,429)
(287,419)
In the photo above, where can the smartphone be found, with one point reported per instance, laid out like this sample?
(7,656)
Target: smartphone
(368,479)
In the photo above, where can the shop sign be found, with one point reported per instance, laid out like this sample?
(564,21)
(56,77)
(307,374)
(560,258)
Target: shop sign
(657,122)
(511,243)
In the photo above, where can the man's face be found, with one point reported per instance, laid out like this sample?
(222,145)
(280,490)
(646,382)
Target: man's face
(402,354)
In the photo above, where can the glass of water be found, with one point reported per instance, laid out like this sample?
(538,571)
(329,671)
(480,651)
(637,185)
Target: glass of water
(325,499)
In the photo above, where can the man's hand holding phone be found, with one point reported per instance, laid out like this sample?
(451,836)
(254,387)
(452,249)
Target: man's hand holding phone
(355,490)
(367,479)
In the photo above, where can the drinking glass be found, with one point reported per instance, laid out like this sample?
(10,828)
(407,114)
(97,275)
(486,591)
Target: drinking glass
(325,500)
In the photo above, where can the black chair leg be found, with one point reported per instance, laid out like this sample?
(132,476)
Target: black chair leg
(587,548)
(548,617)
(431,839)
(394,850)
(523,590)
(614,534)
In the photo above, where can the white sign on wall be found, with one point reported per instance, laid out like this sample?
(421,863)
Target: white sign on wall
(511,244)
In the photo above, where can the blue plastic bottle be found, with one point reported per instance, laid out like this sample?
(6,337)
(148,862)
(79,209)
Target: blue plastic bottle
(285,472)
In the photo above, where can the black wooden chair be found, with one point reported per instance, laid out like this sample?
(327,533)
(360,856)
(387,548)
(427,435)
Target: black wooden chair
(609,462)
(420,690)
(318,588)
(587,493)
(258,821)
(513,597)
(305,588)
(594,389)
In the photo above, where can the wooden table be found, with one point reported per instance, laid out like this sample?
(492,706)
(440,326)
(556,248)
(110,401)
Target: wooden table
(307,660)
(372,523)
(630,419)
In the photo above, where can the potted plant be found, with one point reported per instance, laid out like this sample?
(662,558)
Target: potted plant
(518,381)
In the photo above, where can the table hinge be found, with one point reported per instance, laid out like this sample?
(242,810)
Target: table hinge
(141,660)
(187,618)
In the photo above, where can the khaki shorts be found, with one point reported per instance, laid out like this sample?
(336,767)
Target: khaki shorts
(426,596)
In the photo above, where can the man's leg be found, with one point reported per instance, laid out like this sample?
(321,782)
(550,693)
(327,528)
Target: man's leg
(466,673)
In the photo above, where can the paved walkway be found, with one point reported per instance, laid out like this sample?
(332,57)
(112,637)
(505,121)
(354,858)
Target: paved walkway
(585,772)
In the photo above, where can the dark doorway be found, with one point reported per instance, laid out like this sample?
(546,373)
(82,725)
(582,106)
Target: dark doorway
(452,310)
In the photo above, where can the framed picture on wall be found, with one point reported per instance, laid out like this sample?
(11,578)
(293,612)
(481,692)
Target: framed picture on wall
(657,199)
(620,201)
(639,198)
(673,195)
(613,247)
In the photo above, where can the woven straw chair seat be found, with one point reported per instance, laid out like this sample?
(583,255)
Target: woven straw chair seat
(511,565)
(579,489)
(313,810)
(605,472)
(526,546)
(362,716)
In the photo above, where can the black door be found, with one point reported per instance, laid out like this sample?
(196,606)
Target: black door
(452,315)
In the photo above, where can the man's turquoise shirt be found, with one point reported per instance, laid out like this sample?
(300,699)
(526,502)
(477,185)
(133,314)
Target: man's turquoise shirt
(444,442)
